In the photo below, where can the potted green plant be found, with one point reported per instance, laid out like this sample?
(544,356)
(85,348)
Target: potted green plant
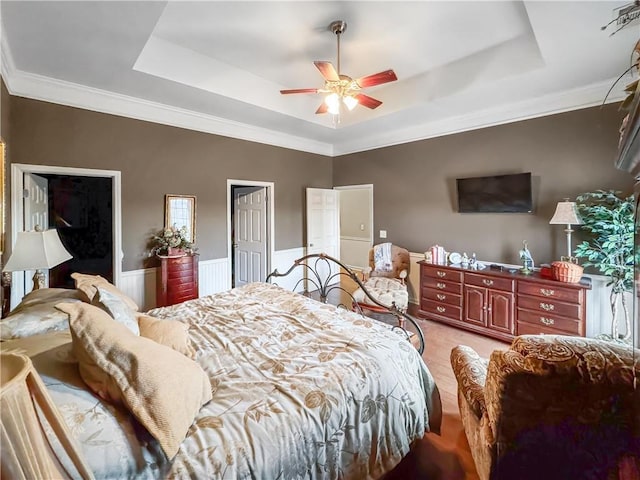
(608,218)
(171,241)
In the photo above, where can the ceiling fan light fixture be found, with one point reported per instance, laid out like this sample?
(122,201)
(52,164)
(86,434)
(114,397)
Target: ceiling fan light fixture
(350,102)
(333,102)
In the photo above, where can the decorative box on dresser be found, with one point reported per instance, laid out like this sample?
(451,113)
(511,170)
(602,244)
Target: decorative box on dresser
(177,280)
(501,304)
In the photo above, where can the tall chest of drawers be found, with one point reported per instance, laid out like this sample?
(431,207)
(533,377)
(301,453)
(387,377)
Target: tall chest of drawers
(500,304)
(177,280)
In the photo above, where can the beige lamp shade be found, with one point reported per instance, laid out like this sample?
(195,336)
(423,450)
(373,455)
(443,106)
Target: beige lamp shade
(37,250)
(566,214)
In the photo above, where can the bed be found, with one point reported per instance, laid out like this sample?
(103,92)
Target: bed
(300,389)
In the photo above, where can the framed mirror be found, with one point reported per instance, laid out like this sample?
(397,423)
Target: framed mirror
(179,211)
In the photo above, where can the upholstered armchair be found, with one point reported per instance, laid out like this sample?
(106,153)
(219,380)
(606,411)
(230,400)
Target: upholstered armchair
(551,407)
(386,279)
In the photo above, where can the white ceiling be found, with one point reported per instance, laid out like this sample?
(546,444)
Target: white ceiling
(218,66)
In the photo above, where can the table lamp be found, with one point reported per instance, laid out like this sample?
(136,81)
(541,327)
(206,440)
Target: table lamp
(566,214)
(37,250)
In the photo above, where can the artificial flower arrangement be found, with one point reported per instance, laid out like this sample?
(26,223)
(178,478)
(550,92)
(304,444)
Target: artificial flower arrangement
(171,241)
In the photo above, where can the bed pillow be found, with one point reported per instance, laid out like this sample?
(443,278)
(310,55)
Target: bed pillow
(170,333)
(36,313)
(163,389)
(87,285)
(115,306)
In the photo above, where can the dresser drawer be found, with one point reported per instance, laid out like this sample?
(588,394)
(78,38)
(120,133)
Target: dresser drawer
(441,273)
(561,293)
(547,321)
(441,285)
(495,283)
(441,296)
(183,288)
(548,306)
(177,275)
(442,309)
(524,328)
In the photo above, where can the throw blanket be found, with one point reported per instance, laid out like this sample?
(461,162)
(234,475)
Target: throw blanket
(382,257)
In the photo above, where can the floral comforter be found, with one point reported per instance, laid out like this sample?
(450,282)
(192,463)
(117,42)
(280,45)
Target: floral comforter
(301,390)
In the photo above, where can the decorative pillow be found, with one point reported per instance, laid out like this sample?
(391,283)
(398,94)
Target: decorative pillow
(36,313)
(87,285)
(163,389)
(115,306)
(170,333)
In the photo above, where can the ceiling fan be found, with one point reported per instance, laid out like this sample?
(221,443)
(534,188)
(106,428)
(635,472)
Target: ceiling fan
(342,89)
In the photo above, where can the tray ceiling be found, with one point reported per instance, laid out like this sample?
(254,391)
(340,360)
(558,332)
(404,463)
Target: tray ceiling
(218,66)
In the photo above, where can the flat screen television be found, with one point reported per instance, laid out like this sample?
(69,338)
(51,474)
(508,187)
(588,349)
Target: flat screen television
(495,194)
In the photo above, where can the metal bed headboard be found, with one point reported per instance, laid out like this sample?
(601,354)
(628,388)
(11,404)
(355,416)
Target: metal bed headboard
(315,264)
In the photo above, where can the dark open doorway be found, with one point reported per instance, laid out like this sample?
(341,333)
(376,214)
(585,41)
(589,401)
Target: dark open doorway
(81,209)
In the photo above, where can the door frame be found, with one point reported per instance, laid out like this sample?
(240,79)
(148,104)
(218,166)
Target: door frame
(270,233)
(17,213)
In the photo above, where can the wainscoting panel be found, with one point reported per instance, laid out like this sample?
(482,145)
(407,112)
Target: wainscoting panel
(213,276)
(140,285)
(282,261)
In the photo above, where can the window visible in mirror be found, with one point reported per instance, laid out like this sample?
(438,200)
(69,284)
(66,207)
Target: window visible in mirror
(180,211)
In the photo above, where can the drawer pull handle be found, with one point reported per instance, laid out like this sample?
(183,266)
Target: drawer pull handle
(441,274)
(441,297)
(547,307)
(441,309)
(441,285)
(547,292)
(487,282)
(547,321)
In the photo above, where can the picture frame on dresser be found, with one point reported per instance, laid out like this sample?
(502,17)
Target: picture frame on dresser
(179,212)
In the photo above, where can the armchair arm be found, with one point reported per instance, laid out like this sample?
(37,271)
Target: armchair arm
(470,371)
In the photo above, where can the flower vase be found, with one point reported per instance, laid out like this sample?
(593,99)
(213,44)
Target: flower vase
(175,252)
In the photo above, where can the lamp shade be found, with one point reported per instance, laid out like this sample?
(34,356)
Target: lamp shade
(37,250)
(566,214)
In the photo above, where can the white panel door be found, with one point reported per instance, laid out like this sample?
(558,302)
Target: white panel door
(323,225)
(250,235)
(36,213)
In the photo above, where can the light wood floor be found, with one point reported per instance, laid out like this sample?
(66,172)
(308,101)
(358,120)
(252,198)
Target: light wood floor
(452,443)
(440,339)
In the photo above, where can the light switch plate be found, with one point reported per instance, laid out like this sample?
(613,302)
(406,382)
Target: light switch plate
(383,234)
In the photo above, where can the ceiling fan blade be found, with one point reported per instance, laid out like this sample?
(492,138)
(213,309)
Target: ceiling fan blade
(377,79)
(367,101)
(322,108)
(327,71)
(299,90)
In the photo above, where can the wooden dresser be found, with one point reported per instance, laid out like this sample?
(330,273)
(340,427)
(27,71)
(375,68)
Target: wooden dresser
(177,280)
(501,304)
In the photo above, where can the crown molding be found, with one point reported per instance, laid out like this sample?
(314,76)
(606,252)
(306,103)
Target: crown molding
(569,100)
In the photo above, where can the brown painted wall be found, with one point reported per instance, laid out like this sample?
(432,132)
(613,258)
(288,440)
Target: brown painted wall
(157,159)
(414,184)
(415,190)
